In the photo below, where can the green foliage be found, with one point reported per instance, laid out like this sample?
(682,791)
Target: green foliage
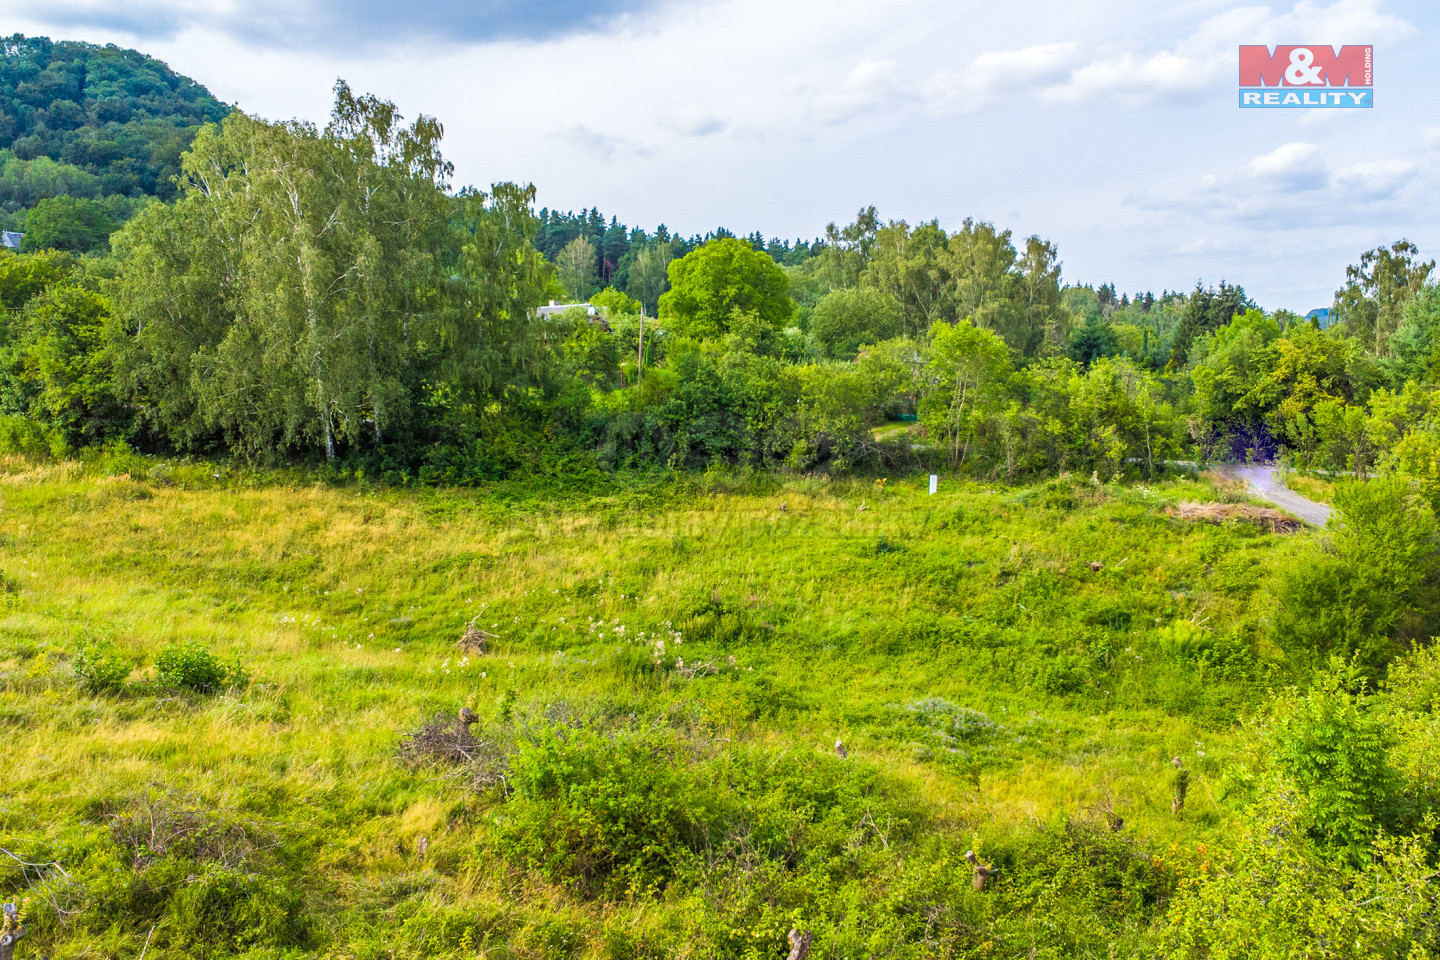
(100,667)
(967,363)
(222,912)
(615,302)
(1206,310)
(606,814)
(102,121)
(1091,342)
(1267,892)
(21,435)
(316,336)
(24,277)
(191,666)
(723,284)
(72,224)
(1370,587)
(575,268)
(649,274)
(1333,749)
(60,365)
(1377,290)
(847,319)
(1416,341)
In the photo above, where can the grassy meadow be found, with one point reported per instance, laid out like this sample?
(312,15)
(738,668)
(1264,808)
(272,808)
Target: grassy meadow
(1009,669)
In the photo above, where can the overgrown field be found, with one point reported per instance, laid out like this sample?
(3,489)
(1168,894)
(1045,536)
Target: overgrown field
(654,769)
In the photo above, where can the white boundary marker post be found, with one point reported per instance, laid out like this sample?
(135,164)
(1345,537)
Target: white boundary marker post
(934,484)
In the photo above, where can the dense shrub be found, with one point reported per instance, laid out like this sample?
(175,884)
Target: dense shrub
(1333,748)
(604,813)
(191,666)
(225,911)
(23,436)
(100,668)
(1370,586)
(1270,893)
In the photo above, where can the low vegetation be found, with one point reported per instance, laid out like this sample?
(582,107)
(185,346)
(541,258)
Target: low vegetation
(708,711)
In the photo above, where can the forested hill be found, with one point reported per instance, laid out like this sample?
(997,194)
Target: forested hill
(102,126)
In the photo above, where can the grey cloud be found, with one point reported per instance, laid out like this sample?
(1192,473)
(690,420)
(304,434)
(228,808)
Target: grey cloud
(333,24)
(599,145)
(694,123)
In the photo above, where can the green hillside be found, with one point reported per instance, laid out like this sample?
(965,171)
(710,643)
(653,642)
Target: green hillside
(708,712)
(100,124)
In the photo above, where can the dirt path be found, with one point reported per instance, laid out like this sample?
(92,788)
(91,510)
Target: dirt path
(1265,485)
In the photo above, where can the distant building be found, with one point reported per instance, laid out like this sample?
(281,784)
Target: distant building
(545,313)
(10,239)
(596,315)
(1320,316)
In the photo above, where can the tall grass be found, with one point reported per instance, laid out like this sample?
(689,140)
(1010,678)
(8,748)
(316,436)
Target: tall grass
(785,614)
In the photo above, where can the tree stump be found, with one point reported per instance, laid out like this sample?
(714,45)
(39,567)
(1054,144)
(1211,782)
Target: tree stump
(11,931)
(982,873)
(840,750)
(1182,786)
(799,945)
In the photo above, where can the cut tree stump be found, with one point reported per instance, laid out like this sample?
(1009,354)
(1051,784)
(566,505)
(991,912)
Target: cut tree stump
(10,932)
(799,945)
(1182,787)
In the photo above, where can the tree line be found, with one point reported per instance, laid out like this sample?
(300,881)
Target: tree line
(329,295)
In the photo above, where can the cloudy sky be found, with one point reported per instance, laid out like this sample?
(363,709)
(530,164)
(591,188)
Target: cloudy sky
(1109,126)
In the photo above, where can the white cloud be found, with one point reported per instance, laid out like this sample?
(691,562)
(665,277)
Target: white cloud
(872,85)
(1002,69)
(1378,181)
(1293,167)
(1296,187)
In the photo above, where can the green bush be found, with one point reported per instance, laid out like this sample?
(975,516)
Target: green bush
(1371,586)
(100,668)
(1333,748)
(1271,894)
(21,435)
(223,911)
(605,813)
(191,666)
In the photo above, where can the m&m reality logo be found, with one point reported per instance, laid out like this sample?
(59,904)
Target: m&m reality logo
(1307,76)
